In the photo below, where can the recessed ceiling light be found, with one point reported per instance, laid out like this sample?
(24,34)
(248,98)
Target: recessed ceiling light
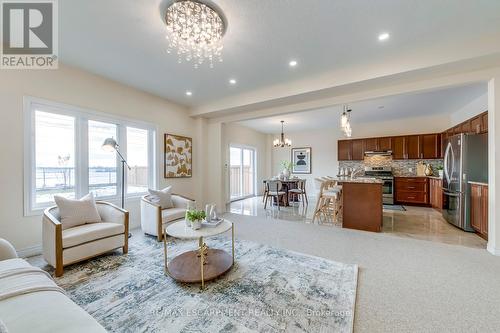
(232,81)
(189,93)
(383,36)
(292,63)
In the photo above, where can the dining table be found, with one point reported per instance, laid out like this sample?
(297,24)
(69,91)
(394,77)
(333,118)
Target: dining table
(286,185)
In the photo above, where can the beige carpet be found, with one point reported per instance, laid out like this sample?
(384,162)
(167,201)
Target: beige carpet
(404,285)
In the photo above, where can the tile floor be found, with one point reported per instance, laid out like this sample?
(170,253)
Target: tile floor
(416,222)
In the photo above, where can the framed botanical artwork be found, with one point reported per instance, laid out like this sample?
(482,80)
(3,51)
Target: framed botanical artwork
(178,156)
(301,160)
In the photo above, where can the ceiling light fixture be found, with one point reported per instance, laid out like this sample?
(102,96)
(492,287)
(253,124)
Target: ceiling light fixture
(383,36)
(232,81)
(345,121)
(282,141)
(195,29)
(189,93)
(293,63)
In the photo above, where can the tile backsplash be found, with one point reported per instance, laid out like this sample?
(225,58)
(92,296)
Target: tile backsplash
(399,167)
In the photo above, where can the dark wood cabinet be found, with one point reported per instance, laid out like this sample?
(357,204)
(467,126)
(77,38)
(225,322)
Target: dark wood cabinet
(413,147)
(412,190)
(465,127)
(371,144)
(475,124)
(431,146)
(344,150)
(484,122)
(399,148)
(385,144)
(358,151)
(479,209)
(436,193)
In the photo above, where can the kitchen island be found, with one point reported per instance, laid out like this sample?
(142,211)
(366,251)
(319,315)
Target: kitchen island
(361,203)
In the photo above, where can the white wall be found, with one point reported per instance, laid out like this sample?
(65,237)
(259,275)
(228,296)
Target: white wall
(239,135)
(82,89)
(324,142)
(471,109)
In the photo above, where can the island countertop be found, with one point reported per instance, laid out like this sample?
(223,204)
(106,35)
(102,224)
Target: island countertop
(360,180)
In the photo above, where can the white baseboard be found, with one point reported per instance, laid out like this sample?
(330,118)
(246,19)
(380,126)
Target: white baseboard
(30,251)
(493,250)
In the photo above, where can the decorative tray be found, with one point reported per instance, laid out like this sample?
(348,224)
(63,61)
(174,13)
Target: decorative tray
(212,223)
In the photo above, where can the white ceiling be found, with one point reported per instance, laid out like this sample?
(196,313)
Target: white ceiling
(445,101)
(124,40)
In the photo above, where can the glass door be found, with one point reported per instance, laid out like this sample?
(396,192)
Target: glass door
(241,172)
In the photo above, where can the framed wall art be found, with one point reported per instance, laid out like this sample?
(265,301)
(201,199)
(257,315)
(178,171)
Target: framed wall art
(178,156)
(301,160)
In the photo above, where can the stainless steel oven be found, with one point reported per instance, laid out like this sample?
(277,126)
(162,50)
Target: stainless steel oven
(384,174)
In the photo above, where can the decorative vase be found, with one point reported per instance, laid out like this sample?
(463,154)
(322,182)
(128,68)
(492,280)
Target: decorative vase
(286,173)
(428,170)
(195,225)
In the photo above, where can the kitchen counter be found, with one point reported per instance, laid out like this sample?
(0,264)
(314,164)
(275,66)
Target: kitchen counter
(362,204)
(478,183)
(360,180)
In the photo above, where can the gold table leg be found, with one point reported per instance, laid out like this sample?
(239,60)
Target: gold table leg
(202,260)
(165,252)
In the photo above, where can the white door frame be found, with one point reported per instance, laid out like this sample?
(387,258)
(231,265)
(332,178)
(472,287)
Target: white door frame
(241,146)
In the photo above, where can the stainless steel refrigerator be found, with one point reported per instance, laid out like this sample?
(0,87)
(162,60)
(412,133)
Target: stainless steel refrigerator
(465,159)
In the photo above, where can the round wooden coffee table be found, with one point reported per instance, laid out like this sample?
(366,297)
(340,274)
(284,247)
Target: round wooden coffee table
(203,264)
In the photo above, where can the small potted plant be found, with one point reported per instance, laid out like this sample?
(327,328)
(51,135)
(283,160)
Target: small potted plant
(287,168)
(440,171)
(195,217)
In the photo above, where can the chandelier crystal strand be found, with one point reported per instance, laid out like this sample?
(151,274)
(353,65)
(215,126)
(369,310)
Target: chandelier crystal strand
(196,31)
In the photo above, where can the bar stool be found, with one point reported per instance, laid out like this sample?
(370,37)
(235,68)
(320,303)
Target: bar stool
(329,204)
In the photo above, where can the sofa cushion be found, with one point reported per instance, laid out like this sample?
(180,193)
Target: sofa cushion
(90,232)
(162,197)
(172,214)
(13,264)
(77,212)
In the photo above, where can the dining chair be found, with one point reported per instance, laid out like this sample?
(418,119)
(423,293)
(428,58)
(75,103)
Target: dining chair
(274,190)
(265,191)
(300,191)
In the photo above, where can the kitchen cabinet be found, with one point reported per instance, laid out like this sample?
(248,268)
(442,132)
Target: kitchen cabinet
(358,151)
(344,150)
(457,129)
(412,190)
(484,122)
(436,193)
(431,146)
(399,148)
(476,124)
(479,209)
(385,144)
(465,127)
(372,144)
(413,147)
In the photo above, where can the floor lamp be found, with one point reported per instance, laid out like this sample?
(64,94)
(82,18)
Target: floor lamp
(110,145)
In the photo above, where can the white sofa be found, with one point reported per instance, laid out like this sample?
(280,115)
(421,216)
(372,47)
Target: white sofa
(63,247)
(154,217)
(34,309)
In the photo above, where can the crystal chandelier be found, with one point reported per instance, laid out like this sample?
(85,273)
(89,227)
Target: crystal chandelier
(345,121)
(282,141)
(195,30)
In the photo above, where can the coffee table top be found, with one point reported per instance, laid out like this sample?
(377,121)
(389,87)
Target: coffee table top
(180,230)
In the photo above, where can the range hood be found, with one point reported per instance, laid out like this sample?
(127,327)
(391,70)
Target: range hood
(380,153)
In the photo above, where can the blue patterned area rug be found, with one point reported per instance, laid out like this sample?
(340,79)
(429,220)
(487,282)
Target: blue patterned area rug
(268,290)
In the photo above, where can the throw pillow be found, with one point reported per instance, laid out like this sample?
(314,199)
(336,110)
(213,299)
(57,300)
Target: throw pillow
(163,197)
(77,212)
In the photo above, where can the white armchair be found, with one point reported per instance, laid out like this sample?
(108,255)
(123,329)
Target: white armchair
(62,247)
(154,217)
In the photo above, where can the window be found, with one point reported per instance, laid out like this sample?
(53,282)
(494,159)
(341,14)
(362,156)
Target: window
(102,164)
(64,155)
(137,158)
(54,157)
